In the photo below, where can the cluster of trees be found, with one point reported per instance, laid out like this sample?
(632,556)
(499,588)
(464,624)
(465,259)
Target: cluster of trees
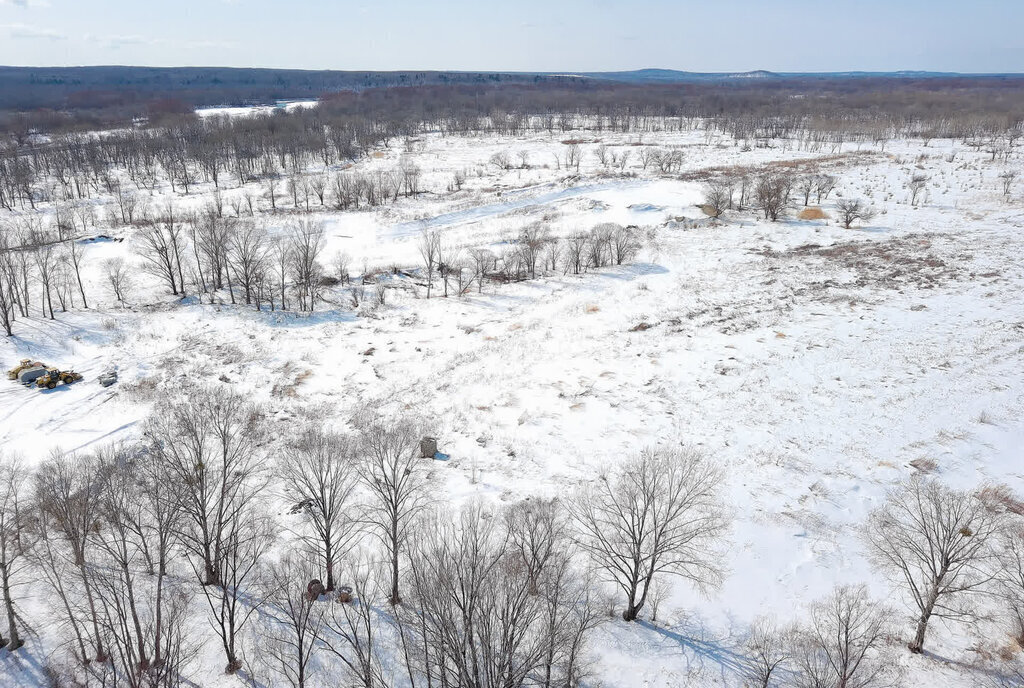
(129,546)
(213,254)
(771,192)
(34,257)
(133,542)
(278,147)
(239,259)
(41,265)
(858,108)
(943,551)
(71,168)
(534,250)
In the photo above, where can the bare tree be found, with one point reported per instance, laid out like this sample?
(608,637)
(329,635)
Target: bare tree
(430,249)
(74,258)
(717,198)
(916,185)
(530,242)
(570,612)
(851,210)
(823,185)
(482,259)
(44,256)
(8,283)
(646,156)
(537,531)
(660,514)
(805,185)
(297,617)
(69,499)
(768,650)
(449,263)
(247,535)
(936,542)
(15,541)
(209,440)
(318,471)
(502,160)
(160,246)
(281,250)
(480,626)
(351,632)
(118,278)
(393,474)
(318,186)
(623,245)
(838,647)
(307,243)
(573,156)
(575,249)
(1010,577)
(771,195)
(248,257)
(142,610)
(1007,178)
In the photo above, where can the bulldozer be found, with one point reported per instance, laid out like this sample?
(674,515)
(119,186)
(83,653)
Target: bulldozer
(55,376)
(25,364)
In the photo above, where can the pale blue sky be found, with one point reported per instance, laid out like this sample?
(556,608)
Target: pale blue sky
(529,35)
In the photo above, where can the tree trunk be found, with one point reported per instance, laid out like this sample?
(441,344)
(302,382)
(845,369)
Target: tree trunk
(14,640)
(917,646)
(395,597)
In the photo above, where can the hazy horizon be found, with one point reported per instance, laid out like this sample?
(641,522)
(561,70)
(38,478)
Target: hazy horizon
(572,36)
(551,72)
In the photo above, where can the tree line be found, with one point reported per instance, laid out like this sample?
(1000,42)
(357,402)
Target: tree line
(369,572)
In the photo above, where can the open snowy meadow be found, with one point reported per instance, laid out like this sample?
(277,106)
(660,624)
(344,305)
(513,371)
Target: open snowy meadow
(815,366)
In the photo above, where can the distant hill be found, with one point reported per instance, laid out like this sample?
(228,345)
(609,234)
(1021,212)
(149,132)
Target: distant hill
(102,86)
(676,76)
(105,87)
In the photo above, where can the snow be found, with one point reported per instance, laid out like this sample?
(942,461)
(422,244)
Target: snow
(816,377)
(252,111)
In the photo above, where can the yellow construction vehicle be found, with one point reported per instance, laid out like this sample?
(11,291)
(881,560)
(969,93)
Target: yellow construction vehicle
(54,376)
(25,364)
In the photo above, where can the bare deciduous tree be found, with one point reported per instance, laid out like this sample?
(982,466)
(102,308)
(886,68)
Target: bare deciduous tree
(717,198)
(297,617)
(318,471)
(118,277)
(246,537)
(430,249)
(916,185)
(15,541)
(481,627)
(623,245)
(307,243)
(1010,577)
(161,246)
(838,646)
(393,474)
(768,649)
(351,632)
(851,210)
(247,257)
(209,440)
(1007,178)
(660,514)
(936,542)
(823,185)
(805,185)
(771,195)
(69,498)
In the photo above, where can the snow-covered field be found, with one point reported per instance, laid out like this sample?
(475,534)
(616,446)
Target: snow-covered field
(819,365)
